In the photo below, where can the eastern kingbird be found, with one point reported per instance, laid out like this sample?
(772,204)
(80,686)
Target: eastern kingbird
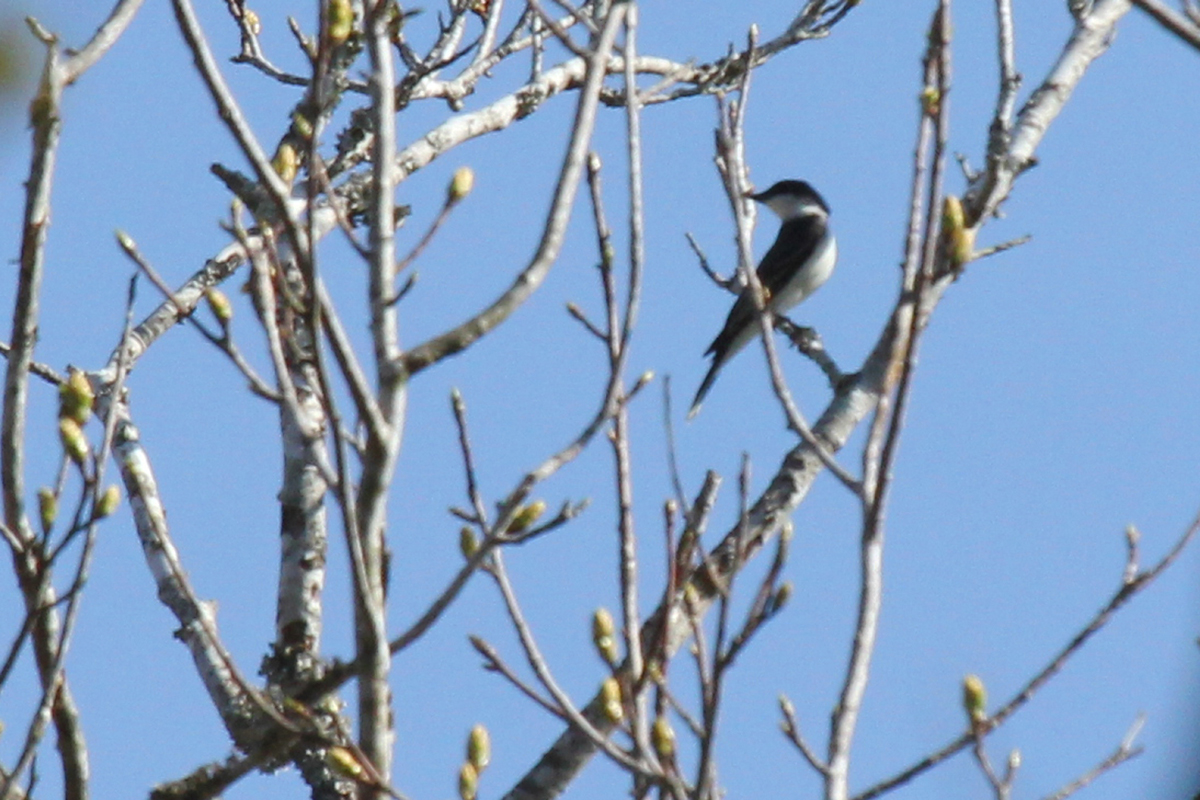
(801,259)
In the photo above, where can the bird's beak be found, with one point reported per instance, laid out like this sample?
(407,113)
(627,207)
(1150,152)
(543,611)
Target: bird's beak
(749,193)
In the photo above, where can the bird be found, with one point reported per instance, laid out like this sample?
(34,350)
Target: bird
(799,262)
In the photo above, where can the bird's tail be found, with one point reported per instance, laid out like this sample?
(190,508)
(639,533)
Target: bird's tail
(705,385)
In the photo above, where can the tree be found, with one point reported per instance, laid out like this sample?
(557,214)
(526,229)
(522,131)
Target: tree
(329,264)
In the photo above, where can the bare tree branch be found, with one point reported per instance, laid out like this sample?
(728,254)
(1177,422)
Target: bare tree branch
(1130,587)
(49,646)
(1186,29)
(531,277)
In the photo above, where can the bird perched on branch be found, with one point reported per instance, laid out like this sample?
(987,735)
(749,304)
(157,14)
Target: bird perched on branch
(801,259)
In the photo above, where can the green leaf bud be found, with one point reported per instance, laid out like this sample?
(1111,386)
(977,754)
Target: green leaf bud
(526,516)
(604,636)
(610,693)
(460,185)
(663,737)
(108,501)
(219,305)
(479,748)
(467,544)
(74,443)
(75,396)
(974,698)
(47,507)
(468,782)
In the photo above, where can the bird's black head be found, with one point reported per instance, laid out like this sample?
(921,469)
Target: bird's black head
(794,196)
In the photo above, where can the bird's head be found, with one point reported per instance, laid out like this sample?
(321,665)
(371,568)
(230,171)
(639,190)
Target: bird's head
(792,200)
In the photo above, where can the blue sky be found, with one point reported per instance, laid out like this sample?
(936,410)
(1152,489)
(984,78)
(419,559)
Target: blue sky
(1055,402)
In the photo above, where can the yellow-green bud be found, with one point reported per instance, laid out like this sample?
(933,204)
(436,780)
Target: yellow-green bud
(341,20)
(75,396)
(468,782)
(782,595)
(604,636)
(526,516)
(479,749)
(610,694)
(663,736)
(931,100)
(47,507)
(126,241)
(466,542)
(286,161)
(953,217)
(302,126)
(253,23)
(219,305)
(74,443)
(974,698)
(460,184)
(964,247)
(960,238)
(345,763)
(108,502)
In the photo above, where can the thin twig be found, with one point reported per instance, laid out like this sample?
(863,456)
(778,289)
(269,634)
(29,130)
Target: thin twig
(879,453)
(36,368)
(538,664)
(1129,588)
(672,449)
(232,116)
(1183,27)
(553,233)
(182,310)
(444,214)
(791,729)
(1010,81)
(1125,751)
(494,663)
(1000,248)
(559,31)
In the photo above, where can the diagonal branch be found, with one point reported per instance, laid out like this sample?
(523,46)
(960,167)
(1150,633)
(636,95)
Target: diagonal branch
(1130,587)
(470,331)
(1183,27)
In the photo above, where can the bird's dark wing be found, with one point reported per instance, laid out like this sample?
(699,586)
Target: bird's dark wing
(795,244)
(741,315)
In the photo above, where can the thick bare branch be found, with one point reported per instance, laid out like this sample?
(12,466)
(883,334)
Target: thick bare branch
(374,695)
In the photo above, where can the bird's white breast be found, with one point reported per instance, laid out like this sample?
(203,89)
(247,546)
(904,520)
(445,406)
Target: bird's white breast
(809,278)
